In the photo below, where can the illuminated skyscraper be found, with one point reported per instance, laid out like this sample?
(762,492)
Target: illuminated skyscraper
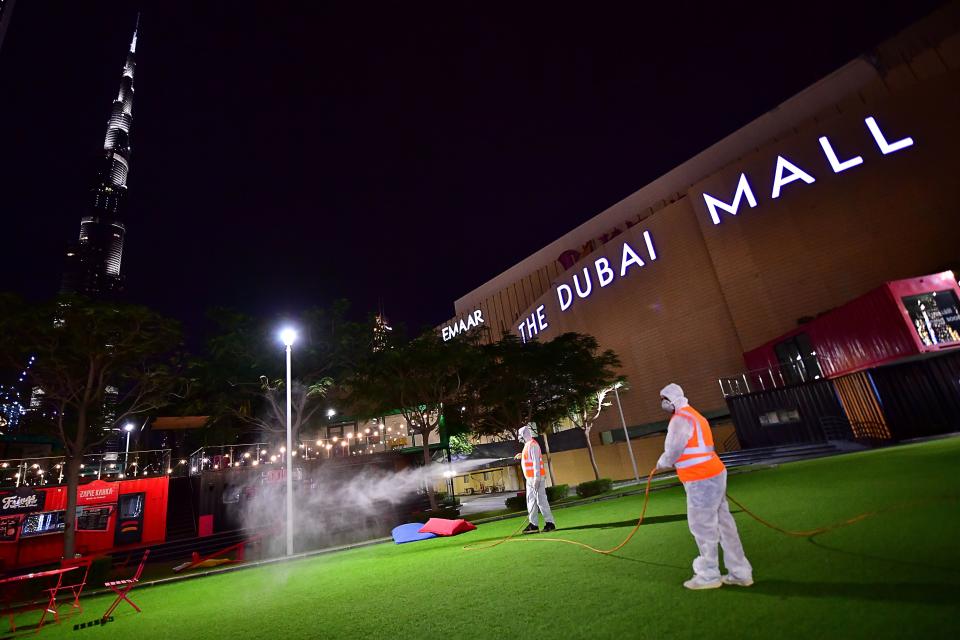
(93,263)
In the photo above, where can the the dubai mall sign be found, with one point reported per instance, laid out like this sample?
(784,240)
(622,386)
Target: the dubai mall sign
(602,273)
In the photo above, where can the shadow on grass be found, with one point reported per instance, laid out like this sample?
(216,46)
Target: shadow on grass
(628,523)
(896,561)
(906,592)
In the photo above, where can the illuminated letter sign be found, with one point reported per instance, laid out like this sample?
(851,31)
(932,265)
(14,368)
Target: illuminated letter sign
(886,147)
(605,274)
(533,324)
(796,173)
(564,296)
(743,189)
(835,163)
(454,329)
(786,172)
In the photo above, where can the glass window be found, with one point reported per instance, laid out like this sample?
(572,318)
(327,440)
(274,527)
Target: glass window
(935,316)
(798,359)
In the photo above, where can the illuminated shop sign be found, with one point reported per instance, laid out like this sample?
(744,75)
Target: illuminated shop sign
(591,278)
(785,172)
(455,328)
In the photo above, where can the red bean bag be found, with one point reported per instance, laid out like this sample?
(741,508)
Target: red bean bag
(444,527)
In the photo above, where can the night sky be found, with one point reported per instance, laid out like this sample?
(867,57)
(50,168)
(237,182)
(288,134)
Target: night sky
(285,155)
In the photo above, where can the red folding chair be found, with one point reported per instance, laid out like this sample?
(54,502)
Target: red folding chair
(77,588)
(123,587)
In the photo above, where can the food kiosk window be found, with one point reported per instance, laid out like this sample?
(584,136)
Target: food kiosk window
(43,523)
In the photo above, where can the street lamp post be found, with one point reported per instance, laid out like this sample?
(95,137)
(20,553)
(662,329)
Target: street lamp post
(288,336)
(126,456)
(626,434)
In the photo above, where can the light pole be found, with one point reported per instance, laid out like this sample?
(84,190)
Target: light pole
(289,336)
(129,427)
(626,434)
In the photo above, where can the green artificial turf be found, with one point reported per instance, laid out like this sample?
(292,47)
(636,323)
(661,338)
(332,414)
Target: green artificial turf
(896,574)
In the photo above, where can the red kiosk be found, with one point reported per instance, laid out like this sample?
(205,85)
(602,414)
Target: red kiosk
(110,516)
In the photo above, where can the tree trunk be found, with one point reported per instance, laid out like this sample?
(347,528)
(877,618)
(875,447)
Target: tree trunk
(593,460)
(70,516)
(427,461)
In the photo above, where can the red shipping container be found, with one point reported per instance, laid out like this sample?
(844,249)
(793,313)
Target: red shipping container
(897,320)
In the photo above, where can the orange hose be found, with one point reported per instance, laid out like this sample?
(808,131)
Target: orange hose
(643,512)
(646,499)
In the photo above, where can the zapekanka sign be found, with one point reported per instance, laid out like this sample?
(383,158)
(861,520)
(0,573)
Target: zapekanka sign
(98,492)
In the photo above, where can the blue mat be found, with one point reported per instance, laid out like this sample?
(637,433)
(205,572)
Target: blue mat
(410,533)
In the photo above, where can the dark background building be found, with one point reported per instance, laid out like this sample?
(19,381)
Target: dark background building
(6,10)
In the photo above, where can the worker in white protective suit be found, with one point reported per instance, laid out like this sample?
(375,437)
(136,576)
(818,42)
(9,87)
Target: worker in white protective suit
(535,471)
(689,449)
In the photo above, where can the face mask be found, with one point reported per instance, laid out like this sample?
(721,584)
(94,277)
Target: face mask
(667,405)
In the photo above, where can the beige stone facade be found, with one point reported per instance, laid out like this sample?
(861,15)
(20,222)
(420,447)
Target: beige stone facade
(707,292)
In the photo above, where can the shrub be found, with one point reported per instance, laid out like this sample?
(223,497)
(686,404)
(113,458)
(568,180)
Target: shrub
(594,487)
(450,513)
(517,503)
(557,492)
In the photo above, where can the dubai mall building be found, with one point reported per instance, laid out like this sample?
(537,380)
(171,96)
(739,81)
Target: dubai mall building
(718,274)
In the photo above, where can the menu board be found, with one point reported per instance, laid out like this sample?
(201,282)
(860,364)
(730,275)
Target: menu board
(41,524)
(94,518)
(9,526)
(935,316)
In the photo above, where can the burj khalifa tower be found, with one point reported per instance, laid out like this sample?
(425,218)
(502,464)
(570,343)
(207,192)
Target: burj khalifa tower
(93,263)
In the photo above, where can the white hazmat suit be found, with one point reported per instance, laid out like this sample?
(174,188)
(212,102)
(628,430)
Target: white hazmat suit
(708,514)
(535,472)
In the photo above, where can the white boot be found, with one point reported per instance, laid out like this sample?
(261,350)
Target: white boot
(696,583)
(740,582)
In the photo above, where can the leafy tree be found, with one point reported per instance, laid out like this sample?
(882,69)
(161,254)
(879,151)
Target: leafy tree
(83,349)
(585,375)
(509,389)
(460,445)
(418,378)
(241,381)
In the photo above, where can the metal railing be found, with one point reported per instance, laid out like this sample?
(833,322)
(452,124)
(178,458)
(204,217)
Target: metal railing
(783,375)
(51,470)
(254,454)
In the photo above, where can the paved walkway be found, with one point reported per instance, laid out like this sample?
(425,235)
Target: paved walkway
(483,502)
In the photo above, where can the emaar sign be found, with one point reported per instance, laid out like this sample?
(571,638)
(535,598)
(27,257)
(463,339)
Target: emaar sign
(455,328)
(785,172)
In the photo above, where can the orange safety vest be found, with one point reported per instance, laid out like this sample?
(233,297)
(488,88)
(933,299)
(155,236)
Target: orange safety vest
(529,464)
(698,461)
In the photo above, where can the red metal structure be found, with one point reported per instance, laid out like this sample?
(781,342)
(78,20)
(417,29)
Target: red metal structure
(897,320)
(110,515)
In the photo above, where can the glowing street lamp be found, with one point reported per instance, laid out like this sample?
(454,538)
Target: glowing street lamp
(626,434)
(288,336)
(129,427)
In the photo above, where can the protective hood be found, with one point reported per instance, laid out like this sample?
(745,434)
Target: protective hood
(525,433)
(674,394)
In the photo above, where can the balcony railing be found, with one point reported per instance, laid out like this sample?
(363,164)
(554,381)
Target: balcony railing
(783,375)
(51,470)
